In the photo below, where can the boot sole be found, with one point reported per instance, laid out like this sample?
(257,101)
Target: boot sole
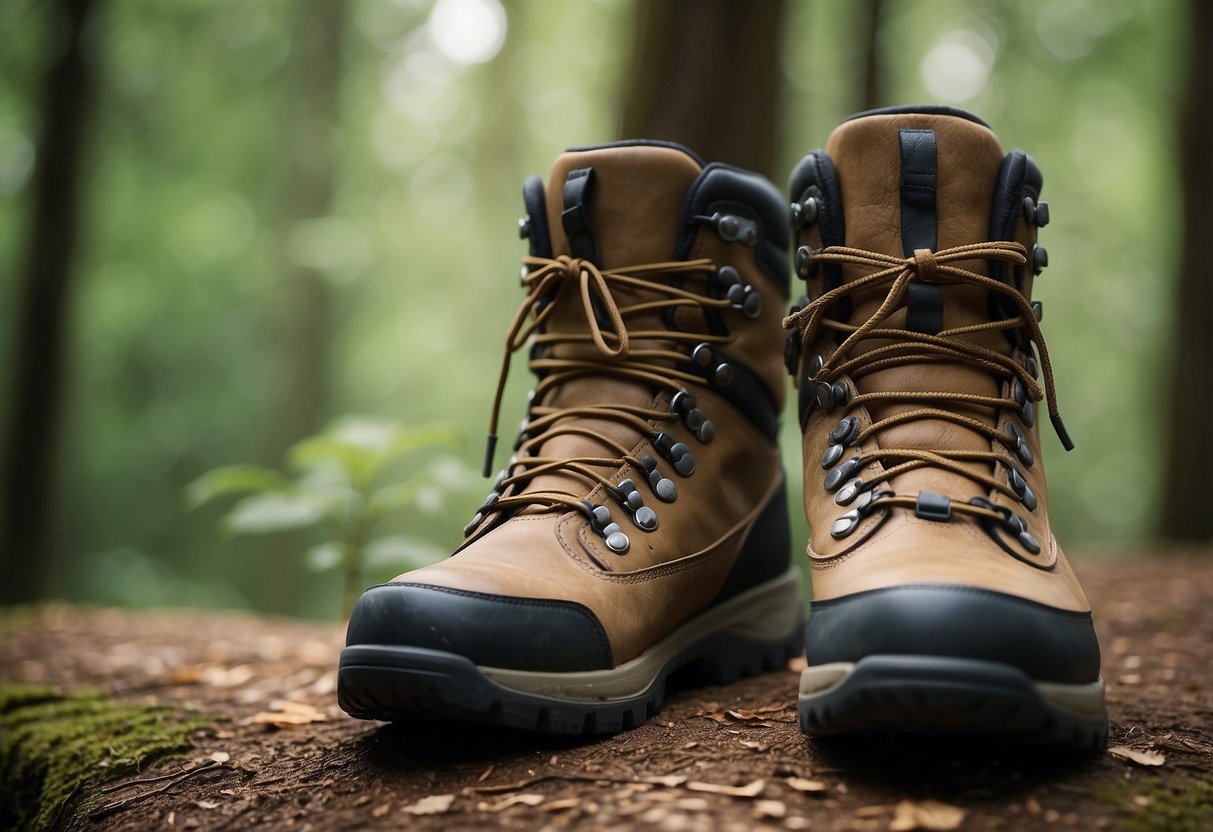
(755,631)
(916,694)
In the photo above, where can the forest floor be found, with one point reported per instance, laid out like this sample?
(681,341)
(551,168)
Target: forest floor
(275,752)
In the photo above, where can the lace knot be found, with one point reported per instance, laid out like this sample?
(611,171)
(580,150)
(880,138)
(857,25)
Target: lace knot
(924,263)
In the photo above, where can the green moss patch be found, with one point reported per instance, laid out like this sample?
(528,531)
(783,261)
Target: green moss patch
(51,745)
(1183,806)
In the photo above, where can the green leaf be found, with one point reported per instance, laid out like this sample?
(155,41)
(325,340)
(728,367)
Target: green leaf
(396,496)
(324,557)
(265,513)
(233,479)
(399,551)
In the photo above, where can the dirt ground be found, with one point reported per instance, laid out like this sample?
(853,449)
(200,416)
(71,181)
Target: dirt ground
(732,757)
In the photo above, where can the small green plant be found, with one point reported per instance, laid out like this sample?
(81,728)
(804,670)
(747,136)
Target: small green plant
(341,483)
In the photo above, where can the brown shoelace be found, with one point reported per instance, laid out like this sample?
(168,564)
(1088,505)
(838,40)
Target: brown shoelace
(911,347)
(547,282)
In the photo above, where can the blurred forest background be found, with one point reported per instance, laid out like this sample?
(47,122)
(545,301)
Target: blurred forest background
(223,224)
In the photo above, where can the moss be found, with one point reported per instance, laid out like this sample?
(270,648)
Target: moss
(52,745)
(1183,806)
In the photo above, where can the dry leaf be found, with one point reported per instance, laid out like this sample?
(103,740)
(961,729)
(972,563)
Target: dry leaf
(434,804)
(1142,758)
(221,756)
(769,809)
(1141,800)
(206,804)
(670,780)
(380,811)
(754,746)
(560,805)
(515,800)
(749,790)
(284,713)
(280,720)
(801,784)
(925,814)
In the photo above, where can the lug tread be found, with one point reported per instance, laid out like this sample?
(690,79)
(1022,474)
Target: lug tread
(996,701)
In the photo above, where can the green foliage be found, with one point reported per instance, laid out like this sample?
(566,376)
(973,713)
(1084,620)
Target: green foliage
(51,744)
(338,486)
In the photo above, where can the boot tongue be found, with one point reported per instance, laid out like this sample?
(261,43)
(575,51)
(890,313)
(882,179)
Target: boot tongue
(618,206)
(912,181)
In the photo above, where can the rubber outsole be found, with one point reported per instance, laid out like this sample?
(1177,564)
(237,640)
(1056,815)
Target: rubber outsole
(917,694)
(723,644)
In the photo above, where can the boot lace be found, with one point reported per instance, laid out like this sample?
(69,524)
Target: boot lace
(548,281)
(900,346)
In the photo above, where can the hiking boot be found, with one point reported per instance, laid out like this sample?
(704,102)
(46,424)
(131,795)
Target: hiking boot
(942,601)
(640,526)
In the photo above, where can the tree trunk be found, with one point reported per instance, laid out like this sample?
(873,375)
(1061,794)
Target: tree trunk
(706,73)
(39,369)
(302,320)
(873,67)
(1187,509)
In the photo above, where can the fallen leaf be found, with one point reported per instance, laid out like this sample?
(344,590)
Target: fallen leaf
(769,809)
(749,790)
(221,756)
(669,780)
(754,746)
(1142,758)
(1141,800)
(434,804)
(206,804)
(925,814)
(802,784)
(281,720)
(380,811)
(516,800)
(560,805)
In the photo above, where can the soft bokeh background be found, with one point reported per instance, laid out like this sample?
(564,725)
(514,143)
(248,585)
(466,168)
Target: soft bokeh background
(211,286)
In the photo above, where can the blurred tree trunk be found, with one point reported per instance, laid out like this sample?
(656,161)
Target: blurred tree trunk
(303,311)
(33,430)
(706,73)
(870,14)
(1187,508)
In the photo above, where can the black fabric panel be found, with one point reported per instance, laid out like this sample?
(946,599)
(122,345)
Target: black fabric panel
(759,201)
(540,239)
(919,109)
(576,216)
(816,172)
(962,622)
(924,308)
(919,173)
(491,630)
(748,393)
(767,550)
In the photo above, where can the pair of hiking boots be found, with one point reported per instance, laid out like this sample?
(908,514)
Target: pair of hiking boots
(640,526)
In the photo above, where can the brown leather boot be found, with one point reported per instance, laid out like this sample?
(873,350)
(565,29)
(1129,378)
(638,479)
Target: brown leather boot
(640,526)
(942,601)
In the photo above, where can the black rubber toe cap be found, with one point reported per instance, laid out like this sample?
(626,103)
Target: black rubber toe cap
(492,630)
(963,622)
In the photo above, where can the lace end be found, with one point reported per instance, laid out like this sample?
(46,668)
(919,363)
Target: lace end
(490,448)
(1060,428)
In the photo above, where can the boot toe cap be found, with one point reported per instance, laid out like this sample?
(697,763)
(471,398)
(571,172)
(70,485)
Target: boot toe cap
(957,621)
(534,634)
